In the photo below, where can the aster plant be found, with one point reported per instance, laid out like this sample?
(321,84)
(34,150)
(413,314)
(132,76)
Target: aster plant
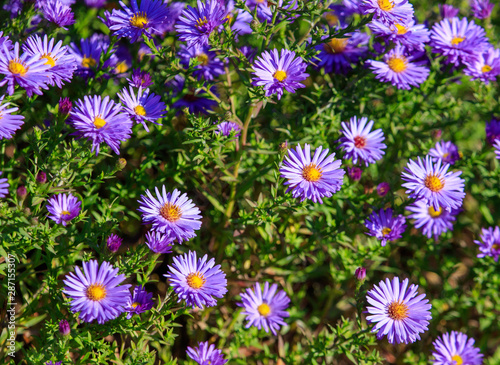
(63,208)
(456,348)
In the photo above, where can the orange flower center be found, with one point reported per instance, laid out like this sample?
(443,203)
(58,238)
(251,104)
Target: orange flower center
(196,280)
(65,212)
(433,183)
(49,60)
(121,67)
(359,142)
(336,45)
(171,212)
(139,20)
(397,311)
(311,172)
(135,304)
(18,67)
(203,59)
(264,309)
(401,28)
(88,61)
(386,231)
(486,68)
(385,5)
(495,246)
(397,64)
(201,22)
(96,292)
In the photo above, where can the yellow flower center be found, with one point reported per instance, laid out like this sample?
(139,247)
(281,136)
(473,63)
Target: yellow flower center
(50,61)
(264,309)
(171,212)
(201,22)
(397,311)
(331,18)
(386,231)
(88,61)
(495,246)
(457,40)
(359,142)
(196,280)
(139,110)
(486,68)
(433,183)
(458,359)
(311,173)
(121,67)
(445,155)
(336,45)
(397,63)
(203,59)
(280,75)
(435,213)
(65,212)
(385,5)
(139,20)
(96,292)
(401,28)
(135,304)
(18,67)
(99,122)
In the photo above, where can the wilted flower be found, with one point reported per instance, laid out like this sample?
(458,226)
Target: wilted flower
(41,177)
(383,188)
(65,106)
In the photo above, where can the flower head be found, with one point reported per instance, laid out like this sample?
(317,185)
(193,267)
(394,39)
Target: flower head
(448,11)
(57,12)
(194,100)
(481,8)
(4,186)
(144,106)
(490,245)
(65,106)
(9,123)
(197,281)
(88,55)
(312,178)
(383,188)
(360,273)
(397,311)
(497,149)
(140,302)
(209,67)
(159,242)
(434,222)
(140,78)
(360,142)
(408,34)
(277,72)
(63,207)
(445,151)
(484,66)
(227,127)
(114,242)
(354,173)
(264,307)
(384,226)
(492,131)
(389,11)
(456,348)
(205,354)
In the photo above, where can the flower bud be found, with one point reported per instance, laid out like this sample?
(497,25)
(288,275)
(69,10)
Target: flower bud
(114,242)
(254,24)
(41,178)
(354,173)
(383,188)
(360,273)
(121,163)
(65,106)
(64,328)
(22,192)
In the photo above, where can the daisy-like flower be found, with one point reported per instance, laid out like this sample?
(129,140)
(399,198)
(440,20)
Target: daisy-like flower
(5,40)
(359,142)
(481,8)
(140,302)
(484,66)
(312,178)
(448,11)
(264,308)
(227,127)
(57,12)
(432,182)
(101,120)
(62,64)
(4,186)
(433,222)
(26,70)
(197,281)
(159,242)
(88,55)
(140,78)
(209,67)
(9,123)
(456,348)
(410,35)
(389,11)
(171,213)
(384,226)
(497,148)
(458,39)
(492,131)
(397,311)
(276,72)
(204,354)
(138,20)
(114,242)
(63,207)
(96,293)
(195,25)
(445,151)
(490,245)
(398,69)
(144,106)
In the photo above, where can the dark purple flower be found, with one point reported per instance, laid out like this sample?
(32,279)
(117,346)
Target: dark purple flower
(360,273)
(492,131)
(64,328)
(338,54)
(65,106)
(448,11)
(140,302)
(481,8)
(194,100)
(41,177)
(21,192)
(56,12)
(209,65)
(95,3)
(113,242)
(383,188)
(354,173)
(140,79)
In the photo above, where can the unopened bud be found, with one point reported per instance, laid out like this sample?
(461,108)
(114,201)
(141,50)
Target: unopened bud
(121,163)
(114,242)
(64,328)
(360,273)
(41,178)
(65,106)
(383,188)
(354,173)
(22,192)
(254,24)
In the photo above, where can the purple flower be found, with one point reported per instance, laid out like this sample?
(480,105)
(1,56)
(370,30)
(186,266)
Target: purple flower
(57,12)
(159,242)
(360,142)
(408,34)
(264,307)
(492,131)
(65,106)
(354,173)
(41,177)
(490,245)
(432,182)
(144,106)
(114,242)
(458,40)
(4,186)
(197,281)
(209,66)
(5,40)
(144,19)
(206,355)
(481,8)
(227,127)
(95,3)
(64,328)
(88,56)
(21,192)
(312,178)
(484,66)
(101,120)
(383,188)
(433,222)
(445,151)
(192,99)
(276,72)
(397,311)
(338,54)
(448,11)
(63,207)
(171,213)
(398,69)
(95,293)
(9,123)
(195,25)
(497,149)
(360,273)
(140,302)
(389,11)
(384,226)
(140,79)
(456,348)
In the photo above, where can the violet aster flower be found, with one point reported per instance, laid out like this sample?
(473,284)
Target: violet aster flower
(445,151)
(433,222)
(432,182)
(193,99)
(312,178)
(277,72)
(456,348)
(4,186)
(400,69)
(57,12)
(63,207)
(397,311)
(492,131)
(159,242)
(206,355)
(101,120)
(140,78)
(497,149)
(383,188)
(138,20)
(27,71)
(384,226)
(448,11)
(144,106)
(140,302)
(195,25)
(5,40)
(113,242)
(197,281)
(95,3)
(64,328)
(264,308)
(96,293)
(490,245)
(389,11)
(484,66)
(354,173)
(65,106)
(88,55)
(481,8)
(407,33)
(9,123)
(171,213)
(458,39)
(209,66)
(227,127)
(360,142)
